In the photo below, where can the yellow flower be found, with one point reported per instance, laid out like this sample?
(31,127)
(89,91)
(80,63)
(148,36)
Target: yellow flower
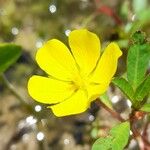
(76,76)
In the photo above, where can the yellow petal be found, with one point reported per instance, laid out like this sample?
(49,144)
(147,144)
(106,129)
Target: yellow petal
(78,103)
(47,90)
(55,59)
(95,90)
(107,65)
(85,47)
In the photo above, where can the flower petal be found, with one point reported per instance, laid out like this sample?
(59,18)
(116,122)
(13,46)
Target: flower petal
(94,91)
(107,65)
(55,59)
(85,47)
(78,103)
(48,90)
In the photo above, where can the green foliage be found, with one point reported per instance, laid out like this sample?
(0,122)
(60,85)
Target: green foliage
(105,99)
(143,89)
(9,53)
(146,108)
(102,143)
(137,60)
(138,38)
(117,139)
(137,63)
(137,85)
(124,86)
(69,15)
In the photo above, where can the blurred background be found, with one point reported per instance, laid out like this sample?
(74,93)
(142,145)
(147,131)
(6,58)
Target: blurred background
(27,125)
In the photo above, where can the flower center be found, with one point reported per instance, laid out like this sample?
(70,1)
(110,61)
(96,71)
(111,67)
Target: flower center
(80,83)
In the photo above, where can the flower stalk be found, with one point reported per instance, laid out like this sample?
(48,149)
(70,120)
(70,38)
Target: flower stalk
(14,92)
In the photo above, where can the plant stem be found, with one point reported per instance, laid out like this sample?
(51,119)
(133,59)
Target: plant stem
(12,89)
(146,127)
(145,144)
(112,112)
(140,138)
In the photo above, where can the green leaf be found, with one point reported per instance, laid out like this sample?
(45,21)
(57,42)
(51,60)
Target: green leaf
(117,139)
(102,144)
(105,99)
(143,89)
(120,134)
(124,86)
(145,107)
(9,53)
(137,63)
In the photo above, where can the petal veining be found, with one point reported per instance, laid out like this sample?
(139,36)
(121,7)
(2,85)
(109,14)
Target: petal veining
(56,59)
(85,47)
(78,103)
(48,90)
(107,65)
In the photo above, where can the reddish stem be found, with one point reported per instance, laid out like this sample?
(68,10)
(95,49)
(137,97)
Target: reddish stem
(108,11)
(145,144)
(112,112)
